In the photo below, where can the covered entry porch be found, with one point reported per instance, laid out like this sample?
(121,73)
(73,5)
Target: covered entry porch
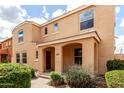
(62,55)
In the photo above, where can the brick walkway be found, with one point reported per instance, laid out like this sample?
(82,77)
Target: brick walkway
(40,83)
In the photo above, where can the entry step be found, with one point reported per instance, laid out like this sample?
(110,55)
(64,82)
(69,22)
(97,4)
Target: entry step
(45,76)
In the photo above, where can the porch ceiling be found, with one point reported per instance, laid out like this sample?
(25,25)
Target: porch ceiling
(91,34)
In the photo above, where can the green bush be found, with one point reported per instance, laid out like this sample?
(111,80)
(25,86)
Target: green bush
(115,64)
(56,79)
(76,77)
(5,61)
(32,71)
(115,78)
(15,75)
(6,85)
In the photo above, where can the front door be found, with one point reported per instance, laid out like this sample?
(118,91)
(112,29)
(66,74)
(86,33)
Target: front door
(48,60)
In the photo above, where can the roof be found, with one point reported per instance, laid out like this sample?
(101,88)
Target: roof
(91,34)
(57,18)
(32,22)
(67,14)
(5,40)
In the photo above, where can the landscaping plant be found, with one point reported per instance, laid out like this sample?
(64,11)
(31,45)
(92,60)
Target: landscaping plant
(76,77)
(115,79)
(56,79)
(15,75)
(115,64)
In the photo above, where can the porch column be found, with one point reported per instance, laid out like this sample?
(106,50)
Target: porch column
(41,60)
(88,55)
(58,59)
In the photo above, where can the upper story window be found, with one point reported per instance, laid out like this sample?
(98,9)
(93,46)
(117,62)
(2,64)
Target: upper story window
(20,36)
(87,19)
(56,27)
(46,31)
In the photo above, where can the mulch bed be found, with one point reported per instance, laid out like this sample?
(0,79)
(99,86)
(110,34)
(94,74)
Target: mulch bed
(100,82)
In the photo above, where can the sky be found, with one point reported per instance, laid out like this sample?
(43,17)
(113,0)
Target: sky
(10,16)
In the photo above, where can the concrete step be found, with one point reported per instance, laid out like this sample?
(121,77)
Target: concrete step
(45,76)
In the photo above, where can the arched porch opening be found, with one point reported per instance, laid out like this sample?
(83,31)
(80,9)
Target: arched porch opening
(72,55)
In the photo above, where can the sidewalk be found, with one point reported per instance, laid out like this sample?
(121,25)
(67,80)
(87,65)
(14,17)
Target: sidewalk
(40,83)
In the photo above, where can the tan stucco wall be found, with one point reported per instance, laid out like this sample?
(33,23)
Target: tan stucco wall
(104,21)
(104,25)
(27,45)
(68,26)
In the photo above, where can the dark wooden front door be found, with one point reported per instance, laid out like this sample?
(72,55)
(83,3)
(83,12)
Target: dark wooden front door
(48,60)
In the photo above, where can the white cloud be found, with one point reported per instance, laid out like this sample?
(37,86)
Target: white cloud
(58,12)
(37,20)
(45,14)
(119,44)
(122,23)
(10,16)
(44,9)
(117,10)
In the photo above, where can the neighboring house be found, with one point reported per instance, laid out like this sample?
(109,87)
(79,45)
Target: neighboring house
(6,50)
(84,37)
(119,56)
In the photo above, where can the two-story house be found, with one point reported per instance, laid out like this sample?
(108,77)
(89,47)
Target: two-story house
(6,50)
(83,36)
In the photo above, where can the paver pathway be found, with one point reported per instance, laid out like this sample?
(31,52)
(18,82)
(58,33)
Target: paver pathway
(40,83)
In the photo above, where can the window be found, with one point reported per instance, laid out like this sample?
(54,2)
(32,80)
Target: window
(56,27)
(87,19)
(20,36)
(78,56)
(17,58)
(36,54)
(46,30)
(24,57)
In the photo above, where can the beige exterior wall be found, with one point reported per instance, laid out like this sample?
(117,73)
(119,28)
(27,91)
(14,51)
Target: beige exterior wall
(104,25)
(97,43)
(28,45)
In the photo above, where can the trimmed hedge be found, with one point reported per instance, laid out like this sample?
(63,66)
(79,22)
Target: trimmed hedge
(56,79)
(115,64)
(32,71)
(76,77)
(15,75)
(115,79)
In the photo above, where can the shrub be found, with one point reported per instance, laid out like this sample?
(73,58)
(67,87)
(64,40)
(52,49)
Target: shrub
(15,75)
(6,85)
(56,79)
(115,78)
(32,71)
(115,64)
(76,77)
(5,61)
